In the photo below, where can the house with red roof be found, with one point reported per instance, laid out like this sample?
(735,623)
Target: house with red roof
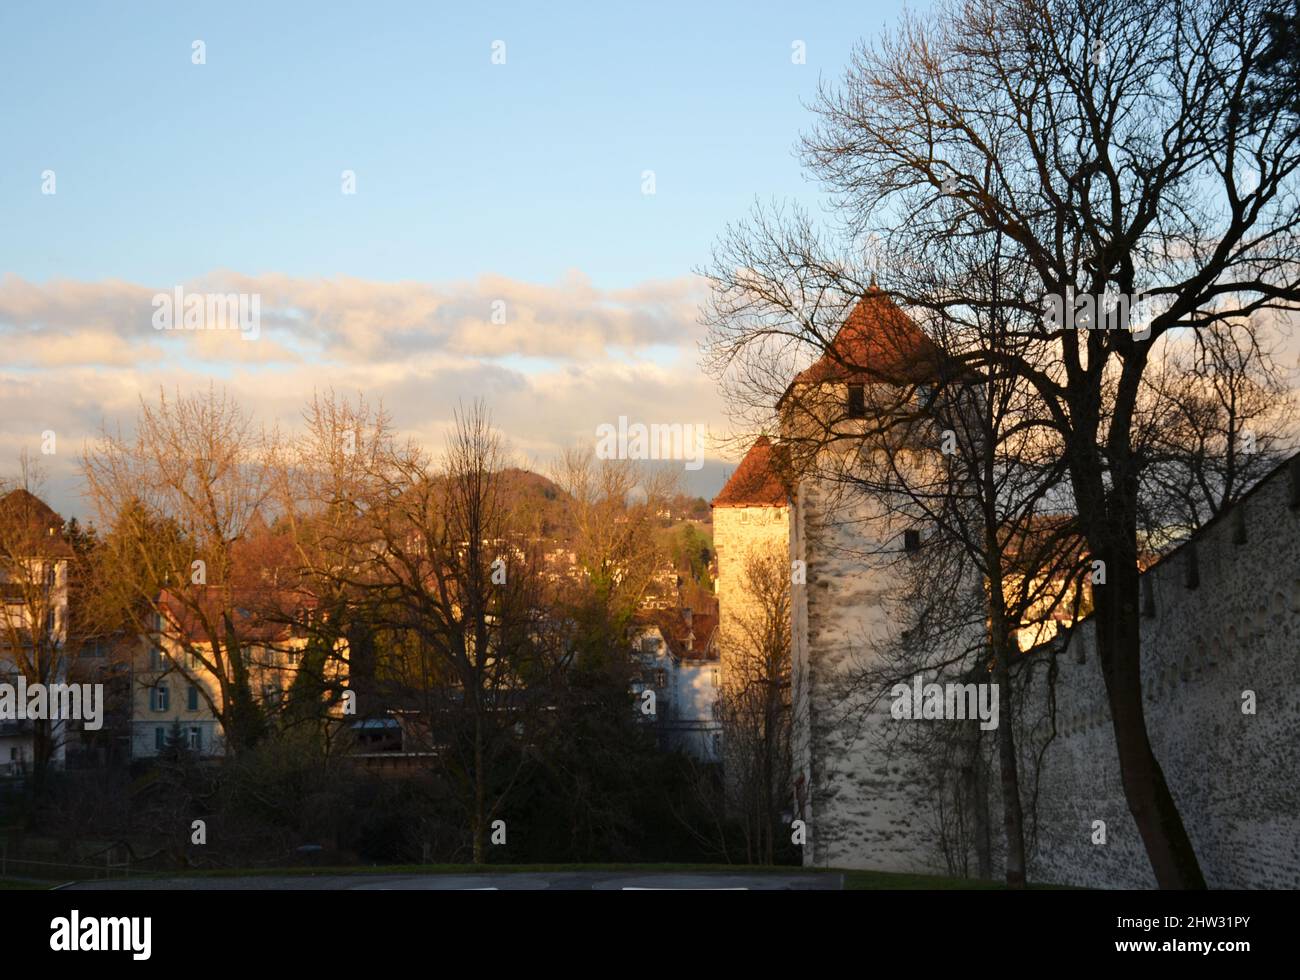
(678,679)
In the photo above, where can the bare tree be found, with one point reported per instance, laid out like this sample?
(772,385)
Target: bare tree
(177,499)
(611,509)
(434,556)
(1220,414)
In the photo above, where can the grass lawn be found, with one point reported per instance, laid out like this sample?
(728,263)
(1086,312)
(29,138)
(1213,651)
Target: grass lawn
(22,884)
(891,881)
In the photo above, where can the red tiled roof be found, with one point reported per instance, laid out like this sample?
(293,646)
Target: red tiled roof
(756,482)
(877,342)
(257,615)
(703,625)
(673,626)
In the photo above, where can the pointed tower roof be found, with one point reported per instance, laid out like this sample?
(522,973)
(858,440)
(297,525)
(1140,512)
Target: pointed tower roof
(877,343)
(757,481)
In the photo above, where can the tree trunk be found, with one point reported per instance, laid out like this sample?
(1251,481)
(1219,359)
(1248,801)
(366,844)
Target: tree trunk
(480,795)
(977,799)
(42,753)
(1173,859)
(1013,818)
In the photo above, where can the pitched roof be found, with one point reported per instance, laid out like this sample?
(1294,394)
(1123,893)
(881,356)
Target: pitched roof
(688,637)
(877,342)
(25,506)
(256,615)
(757,481)
(29,522)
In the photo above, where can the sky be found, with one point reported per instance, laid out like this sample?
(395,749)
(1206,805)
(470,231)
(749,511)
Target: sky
(532,187)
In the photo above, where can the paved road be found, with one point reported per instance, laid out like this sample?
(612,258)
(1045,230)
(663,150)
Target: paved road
(519,881)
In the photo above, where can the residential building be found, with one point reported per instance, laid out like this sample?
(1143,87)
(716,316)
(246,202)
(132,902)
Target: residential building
(677,659)
(34,560)
(177,694)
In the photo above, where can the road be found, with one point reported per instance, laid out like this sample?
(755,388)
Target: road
(485,881)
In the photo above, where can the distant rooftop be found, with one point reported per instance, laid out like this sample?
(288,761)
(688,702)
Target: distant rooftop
(757,481)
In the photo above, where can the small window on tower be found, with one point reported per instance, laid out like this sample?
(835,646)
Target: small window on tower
(857,402)
(911,540)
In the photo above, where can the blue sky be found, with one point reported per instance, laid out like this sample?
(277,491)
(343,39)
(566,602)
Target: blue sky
(468,175)
(168,170)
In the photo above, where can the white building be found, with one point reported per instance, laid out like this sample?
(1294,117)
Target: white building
(33,617)
(676,652)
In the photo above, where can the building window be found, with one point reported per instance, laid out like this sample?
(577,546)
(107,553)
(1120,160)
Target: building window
(911,540)
(155,659)
(161,698)
(192,698)
(857,402)
(717,679)
(159,739)
(661,678)
(195,738)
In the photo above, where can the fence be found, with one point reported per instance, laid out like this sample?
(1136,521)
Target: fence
(21,867)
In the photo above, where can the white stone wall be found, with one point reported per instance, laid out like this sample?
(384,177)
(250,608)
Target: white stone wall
(696,685)
(1235,776)
(864,806)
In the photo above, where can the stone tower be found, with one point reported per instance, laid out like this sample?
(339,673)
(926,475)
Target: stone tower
(751,514)
(861,807)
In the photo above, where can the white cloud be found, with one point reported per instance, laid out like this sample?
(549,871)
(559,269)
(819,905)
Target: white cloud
(569,357)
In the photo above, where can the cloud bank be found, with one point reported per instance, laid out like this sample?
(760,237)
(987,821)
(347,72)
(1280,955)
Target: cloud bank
(553,361)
